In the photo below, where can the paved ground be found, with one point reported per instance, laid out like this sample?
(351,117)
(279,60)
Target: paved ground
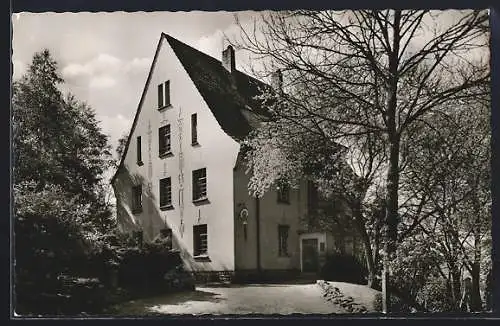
(245,299)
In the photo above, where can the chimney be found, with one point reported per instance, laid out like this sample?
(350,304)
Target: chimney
(277,81)
(228,61)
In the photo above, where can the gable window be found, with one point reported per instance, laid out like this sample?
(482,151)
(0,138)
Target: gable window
(200,184)
(164,140)
(139,151)
(137,199)
(283,193)
(194,129)
(283,239)
(166,193)
(164,94)
(200,240)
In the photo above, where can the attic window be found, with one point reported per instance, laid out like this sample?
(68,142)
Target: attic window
(139,151)
(194,129)
(164,95)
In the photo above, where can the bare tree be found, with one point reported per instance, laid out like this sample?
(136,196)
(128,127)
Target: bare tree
(355,73)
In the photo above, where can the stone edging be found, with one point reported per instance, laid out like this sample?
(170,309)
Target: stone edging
(334,295)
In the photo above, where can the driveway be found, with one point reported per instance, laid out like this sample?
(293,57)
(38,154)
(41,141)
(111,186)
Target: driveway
(234,299)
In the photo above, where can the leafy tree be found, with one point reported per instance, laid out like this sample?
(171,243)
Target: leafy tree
(121,146)
(450,172)
(371,72)
(57,139)
(60,156)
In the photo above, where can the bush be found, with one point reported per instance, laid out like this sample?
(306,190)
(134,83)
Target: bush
(140,269)
(436,296)
(396,304)
(343,268)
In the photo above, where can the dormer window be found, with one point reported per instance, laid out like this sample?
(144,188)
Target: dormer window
(164,95)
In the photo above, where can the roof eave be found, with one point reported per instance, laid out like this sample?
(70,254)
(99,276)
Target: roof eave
(139,107)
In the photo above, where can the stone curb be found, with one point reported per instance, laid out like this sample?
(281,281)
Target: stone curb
(334,295)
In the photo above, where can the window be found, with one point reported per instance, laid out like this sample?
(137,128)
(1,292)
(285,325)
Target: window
(139,151)
(283,193)
(165,192)
(138,237)
(167,93)
(321,246)
(200,240)
(283,239)
(164,94)
(199,184)
(194,131)
(164,140)
(166,235)
(137,199)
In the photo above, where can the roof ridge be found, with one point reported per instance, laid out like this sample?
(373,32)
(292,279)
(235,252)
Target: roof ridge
(168,36)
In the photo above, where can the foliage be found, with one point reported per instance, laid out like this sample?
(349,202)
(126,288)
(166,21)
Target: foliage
(415,262)
(366,79)
(343,268)
(397,305)
(60,156)
(436,295)
(57,140)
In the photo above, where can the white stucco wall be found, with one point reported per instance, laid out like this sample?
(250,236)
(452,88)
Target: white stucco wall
(216,152)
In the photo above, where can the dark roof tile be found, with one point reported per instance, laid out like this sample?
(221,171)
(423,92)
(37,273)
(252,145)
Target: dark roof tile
(229,95)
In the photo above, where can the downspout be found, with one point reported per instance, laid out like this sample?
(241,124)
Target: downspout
(257,226)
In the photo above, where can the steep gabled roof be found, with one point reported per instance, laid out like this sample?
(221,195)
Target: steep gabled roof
(230,96)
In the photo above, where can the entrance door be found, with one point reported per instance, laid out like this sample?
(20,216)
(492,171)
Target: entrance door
(310,255)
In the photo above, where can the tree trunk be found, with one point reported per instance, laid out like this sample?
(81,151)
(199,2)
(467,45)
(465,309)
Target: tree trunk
(476,302)
(391,218)
(360,226)
(455,284)
(391,215)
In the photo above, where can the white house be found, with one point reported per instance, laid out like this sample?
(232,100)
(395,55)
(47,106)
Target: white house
(181,175)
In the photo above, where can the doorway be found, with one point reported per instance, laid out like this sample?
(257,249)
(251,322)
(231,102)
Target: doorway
(310,256)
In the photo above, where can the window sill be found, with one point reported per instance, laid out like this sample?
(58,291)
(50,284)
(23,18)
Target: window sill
(284,256)
(140,163)
(202,258)
(165,107)
(201,201)
(283,202)
(166,154)
(137,210)
(166,207)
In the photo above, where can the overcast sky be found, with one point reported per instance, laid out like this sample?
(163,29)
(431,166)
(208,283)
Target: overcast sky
(105,57)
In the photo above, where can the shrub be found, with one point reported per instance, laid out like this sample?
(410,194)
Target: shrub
(343,268)
(436,296)
(396,304)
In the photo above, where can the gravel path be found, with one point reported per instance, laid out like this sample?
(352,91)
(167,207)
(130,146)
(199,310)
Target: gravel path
(245,299)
